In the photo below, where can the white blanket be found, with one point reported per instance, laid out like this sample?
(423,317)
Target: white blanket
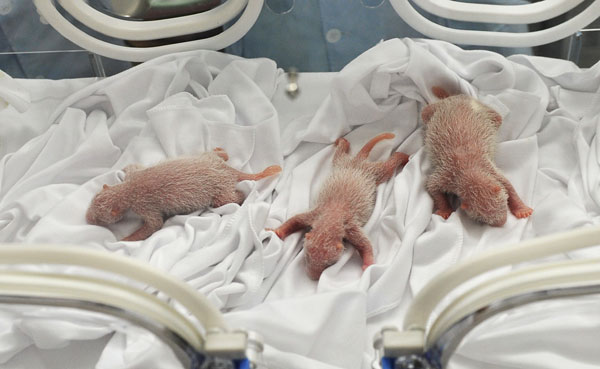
(192,102)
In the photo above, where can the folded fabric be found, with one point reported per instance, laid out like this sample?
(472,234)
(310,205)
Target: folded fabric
(13,94)
(192,102)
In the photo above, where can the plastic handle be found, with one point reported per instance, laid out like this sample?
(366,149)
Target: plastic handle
(103,292)
(47,9)
(489,38)
(428,298)
(195,303)
(500,14)
(156,29)
(538,278)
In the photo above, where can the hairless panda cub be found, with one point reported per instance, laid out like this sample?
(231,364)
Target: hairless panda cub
(460,138)
(344,205)
(176,186)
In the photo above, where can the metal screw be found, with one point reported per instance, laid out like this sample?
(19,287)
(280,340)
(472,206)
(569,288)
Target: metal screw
(292,88)
(412,362)
(217,363)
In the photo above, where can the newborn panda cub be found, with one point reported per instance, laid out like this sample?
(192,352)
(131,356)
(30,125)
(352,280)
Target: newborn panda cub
(460,139)
(176,186)
(344,205)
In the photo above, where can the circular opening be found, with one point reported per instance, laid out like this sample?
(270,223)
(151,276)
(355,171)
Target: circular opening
(372,3)
(280,6)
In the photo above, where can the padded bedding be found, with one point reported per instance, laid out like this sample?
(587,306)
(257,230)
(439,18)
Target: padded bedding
(70,137)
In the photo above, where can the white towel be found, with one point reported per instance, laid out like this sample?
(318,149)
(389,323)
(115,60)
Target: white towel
(192,102)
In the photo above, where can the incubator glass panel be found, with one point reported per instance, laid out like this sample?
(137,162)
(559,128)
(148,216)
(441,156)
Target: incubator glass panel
(31,48)
(549,334)
(585,45)
(310,36)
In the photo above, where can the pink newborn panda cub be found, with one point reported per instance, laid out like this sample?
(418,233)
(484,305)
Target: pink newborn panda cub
(460,139)
(344,204)
(175,186)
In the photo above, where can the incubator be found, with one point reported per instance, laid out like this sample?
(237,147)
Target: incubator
(91,89)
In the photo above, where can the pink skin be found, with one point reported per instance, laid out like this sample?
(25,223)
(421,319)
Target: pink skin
(176,186)
(460,134)
(343,206)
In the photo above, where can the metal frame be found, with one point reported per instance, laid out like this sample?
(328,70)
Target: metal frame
(438,355)
(440,352)
(429,340)
(185,353)
(202,341)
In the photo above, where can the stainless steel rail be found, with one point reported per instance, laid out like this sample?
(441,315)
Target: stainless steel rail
(439,353)
(186,354)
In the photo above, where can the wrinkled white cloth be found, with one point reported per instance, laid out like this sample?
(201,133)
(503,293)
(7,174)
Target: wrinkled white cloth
(13,94)
(167,108)
(25,106)
(193,102)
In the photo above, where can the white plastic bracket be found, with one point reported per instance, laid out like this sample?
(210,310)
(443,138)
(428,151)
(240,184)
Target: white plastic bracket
(399,343)
(231,345)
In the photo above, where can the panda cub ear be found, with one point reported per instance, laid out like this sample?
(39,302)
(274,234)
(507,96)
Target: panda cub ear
(439,92)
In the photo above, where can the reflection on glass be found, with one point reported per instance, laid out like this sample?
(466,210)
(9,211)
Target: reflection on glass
(280,6)
(372,3)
